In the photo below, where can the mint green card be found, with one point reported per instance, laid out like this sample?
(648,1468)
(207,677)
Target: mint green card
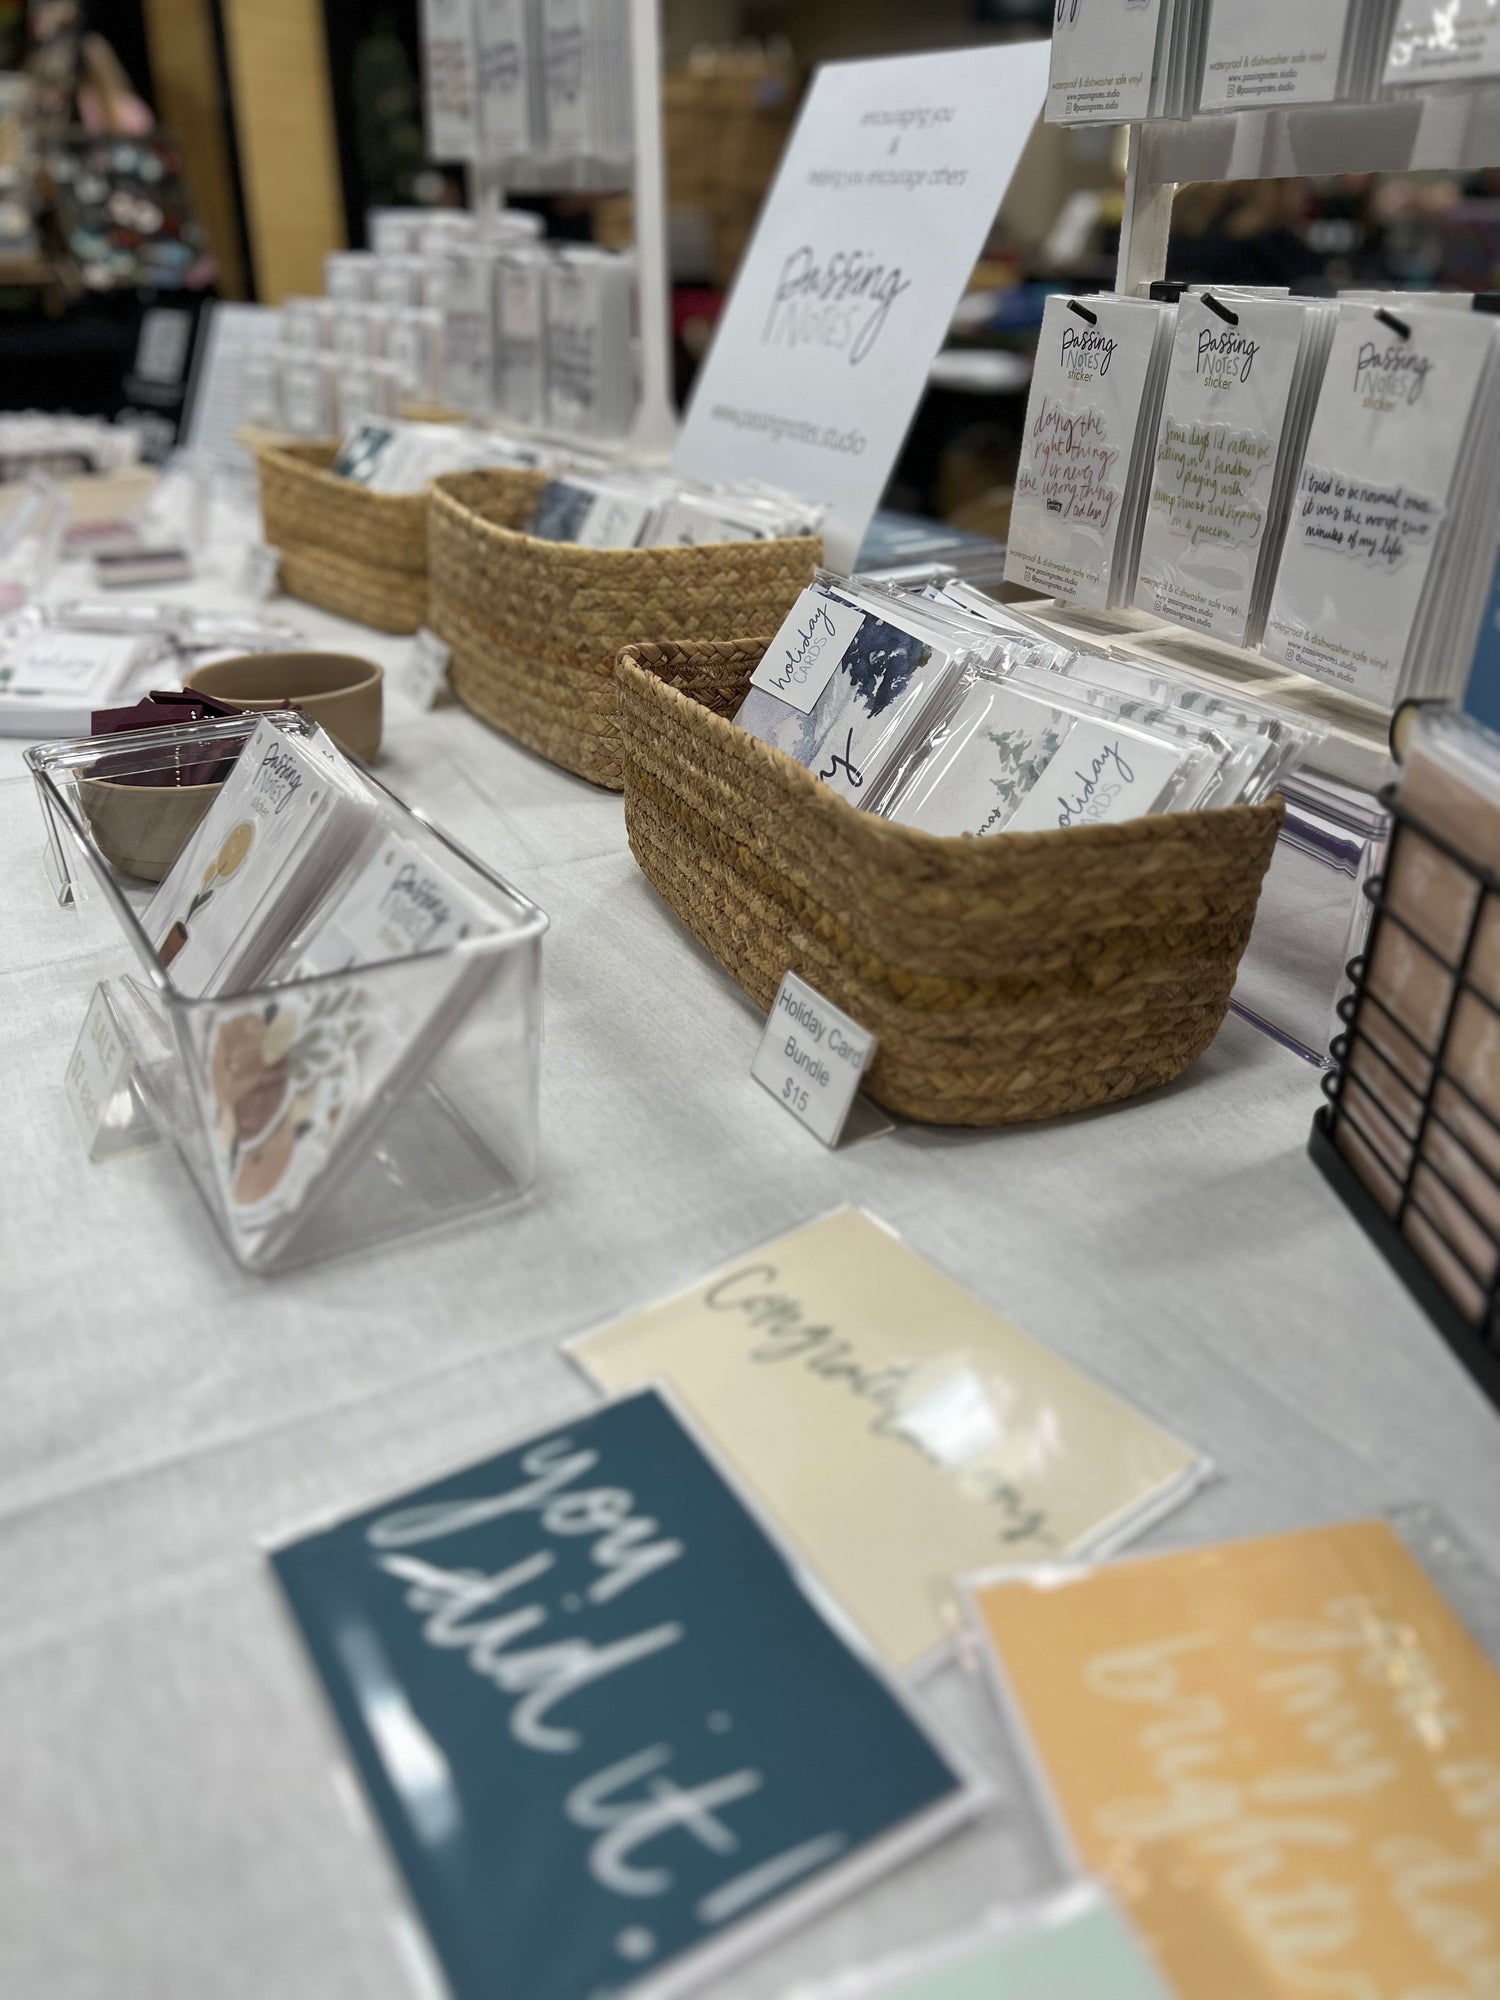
(1085,1952)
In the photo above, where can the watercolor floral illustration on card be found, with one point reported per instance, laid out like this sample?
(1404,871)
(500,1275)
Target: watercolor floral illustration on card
(227,863)
(283,1078)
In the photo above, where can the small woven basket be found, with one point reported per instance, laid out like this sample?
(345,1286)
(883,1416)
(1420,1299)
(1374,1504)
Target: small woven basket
(351,551)
(535,627)
(1015,977)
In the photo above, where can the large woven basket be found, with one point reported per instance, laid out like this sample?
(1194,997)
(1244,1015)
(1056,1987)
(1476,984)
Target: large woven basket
(1008,978)
(535,627)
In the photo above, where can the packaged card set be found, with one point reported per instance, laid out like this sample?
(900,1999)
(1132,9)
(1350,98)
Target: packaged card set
(1287,52)
(948,713)
(626,508)
(1118,61)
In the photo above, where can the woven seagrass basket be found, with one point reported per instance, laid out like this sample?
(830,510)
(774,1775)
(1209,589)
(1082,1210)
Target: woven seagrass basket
(535,627)
(1009,978)
(351,551)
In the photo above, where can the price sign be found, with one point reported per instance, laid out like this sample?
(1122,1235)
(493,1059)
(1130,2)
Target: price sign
(812,1057)
(424,677)
(261,573)
(98,1070)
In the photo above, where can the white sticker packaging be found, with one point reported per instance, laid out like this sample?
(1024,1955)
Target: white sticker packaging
(1094,400)
(1103,61)
(1271,52)
(448,71)
(1443,41)
(1228,448)
(1399,402)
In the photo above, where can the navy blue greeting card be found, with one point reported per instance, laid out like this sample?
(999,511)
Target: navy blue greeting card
(601,1720)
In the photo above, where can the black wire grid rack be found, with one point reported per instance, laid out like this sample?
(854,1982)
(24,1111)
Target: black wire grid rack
(1399,1199)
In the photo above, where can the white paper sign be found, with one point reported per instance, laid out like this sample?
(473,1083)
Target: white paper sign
(424,679)
(812,1058)
(885,194)
(805,654)
(98,1070)
(261,572)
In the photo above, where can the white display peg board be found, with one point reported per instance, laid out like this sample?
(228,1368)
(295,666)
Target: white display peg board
(654,430)
(1453,130)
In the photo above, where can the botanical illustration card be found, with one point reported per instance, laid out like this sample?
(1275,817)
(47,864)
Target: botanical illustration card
(1283,1755)
(274,803)
(1076,1948)
(897,1430)
(297,1076)
(609,1735)
(876,678)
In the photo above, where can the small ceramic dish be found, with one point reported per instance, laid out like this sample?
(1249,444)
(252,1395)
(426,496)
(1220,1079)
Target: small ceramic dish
(337,690)
(141,829)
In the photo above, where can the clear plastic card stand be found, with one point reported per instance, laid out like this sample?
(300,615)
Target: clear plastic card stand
(452,1132)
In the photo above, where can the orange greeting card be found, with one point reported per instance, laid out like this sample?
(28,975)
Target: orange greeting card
(1282,1755)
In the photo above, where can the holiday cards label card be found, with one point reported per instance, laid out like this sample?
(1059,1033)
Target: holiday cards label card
(609,1734)
(1283,1756)
(897,1430)
(885,194)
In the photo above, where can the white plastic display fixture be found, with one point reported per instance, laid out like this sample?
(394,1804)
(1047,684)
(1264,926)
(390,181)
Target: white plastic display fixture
(1454,129)
(654,431)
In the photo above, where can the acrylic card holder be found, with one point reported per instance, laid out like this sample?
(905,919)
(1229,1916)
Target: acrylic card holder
(1407,1139)
(329,1111)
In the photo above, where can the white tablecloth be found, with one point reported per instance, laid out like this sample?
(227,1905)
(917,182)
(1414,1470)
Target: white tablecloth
(168,1821)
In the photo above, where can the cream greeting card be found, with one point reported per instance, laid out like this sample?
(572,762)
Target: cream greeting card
(898,1431)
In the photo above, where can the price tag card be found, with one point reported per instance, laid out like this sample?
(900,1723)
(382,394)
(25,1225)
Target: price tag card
(98,1073)
(423,678)
(812,1058)
(261,573)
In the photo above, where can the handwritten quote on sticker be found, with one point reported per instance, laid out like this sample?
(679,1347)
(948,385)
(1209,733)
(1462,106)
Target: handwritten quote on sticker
(1206,475)
(1377,525)
(1071,460)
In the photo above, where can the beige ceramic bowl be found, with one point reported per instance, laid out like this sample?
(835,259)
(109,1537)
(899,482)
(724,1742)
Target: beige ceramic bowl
(143,828)
(338,690)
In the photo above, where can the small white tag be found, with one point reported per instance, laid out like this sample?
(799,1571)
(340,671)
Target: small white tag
(806,653)
(812,1057)
(424,678)
(98,1070)
(1097,778)
(261,573)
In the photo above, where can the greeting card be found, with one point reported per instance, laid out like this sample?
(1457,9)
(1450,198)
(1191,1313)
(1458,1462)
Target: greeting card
(610,1736)
(1283,1755)
(897,1430)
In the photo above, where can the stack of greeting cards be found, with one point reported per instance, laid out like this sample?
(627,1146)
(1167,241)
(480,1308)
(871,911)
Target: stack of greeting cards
(1391,548)
(1117,61)
(291,816)
(303,1079)
(52,678)
(847,684)
(1239,401)
(627,509)
(1088,452)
